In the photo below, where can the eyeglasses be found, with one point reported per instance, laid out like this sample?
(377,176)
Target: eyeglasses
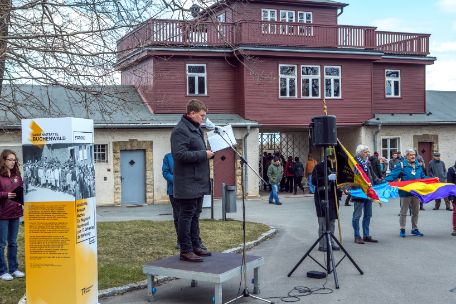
(12,160)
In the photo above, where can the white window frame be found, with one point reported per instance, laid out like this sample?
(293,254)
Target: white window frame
(288,77)
(388,147)
(196,75)
(221,18)
(97,152)
(392,80)
(269,28)
(310,78)
(332,78)
(287,29)
(305,30)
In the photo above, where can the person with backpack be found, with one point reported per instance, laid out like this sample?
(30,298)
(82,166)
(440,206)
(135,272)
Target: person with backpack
(408,169)
(298,170)
(451,178)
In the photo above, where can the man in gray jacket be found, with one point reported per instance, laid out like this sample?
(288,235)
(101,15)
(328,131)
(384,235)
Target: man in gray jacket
(191,178)
(437,169)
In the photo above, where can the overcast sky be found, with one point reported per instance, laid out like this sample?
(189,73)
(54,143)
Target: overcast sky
(435,17)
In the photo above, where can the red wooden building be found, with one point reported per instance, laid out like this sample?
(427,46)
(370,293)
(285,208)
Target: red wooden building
(274,62)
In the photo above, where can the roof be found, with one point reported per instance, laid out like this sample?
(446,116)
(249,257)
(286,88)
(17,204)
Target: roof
(109,107)
(440,109)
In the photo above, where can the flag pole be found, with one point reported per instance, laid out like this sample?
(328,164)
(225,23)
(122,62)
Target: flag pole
(325,110)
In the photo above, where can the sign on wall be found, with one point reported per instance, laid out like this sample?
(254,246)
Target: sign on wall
(60,216)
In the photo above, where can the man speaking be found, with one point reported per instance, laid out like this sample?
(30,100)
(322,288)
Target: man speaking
(191,178)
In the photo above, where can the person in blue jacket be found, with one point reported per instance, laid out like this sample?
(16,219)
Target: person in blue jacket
(408,169)
(168,174)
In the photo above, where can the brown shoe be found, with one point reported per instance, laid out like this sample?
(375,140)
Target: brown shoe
(369,239)
(359,240)
(201,252)
(190,257)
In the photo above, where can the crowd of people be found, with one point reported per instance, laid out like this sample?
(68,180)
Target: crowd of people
(294,173)
(287,175)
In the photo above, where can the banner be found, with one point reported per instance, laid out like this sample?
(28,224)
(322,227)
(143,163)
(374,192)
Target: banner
(59,211)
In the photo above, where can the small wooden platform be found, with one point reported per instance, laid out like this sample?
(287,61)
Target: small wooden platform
(218,268)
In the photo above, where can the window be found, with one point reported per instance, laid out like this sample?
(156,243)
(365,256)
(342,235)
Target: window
(310,81)
(305,17)
(333,82)
(221,18)
(287,80)
(100,153)
(196,79)
(221,30)
(390,145)
(392,83)
(287,16)
(268,15)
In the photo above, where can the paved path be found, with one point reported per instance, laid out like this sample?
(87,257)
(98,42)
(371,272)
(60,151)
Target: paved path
(411,270)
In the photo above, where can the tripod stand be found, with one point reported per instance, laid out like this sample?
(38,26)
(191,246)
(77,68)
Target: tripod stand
(245,293)
(328,237)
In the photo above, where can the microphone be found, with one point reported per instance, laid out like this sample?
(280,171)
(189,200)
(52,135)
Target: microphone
(209,125)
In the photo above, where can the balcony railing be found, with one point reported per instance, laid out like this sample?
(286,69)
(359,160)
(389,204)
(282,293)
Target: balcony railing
(160,32)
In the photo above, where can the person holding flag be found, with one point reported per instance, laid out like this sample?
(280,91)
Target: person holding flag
(408,169)
(363,206)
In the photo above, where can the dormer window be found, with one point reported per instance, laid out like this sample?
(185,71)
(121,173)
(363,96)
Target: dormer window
(221,18)
(287,16)
(305,17)
(268,15)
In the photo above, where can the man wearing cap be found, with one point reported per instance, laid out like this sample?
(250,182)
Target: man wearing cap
(437,168)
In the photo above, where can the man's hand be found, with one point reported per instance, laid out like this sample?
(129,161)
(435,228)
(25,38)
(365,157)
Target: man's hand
(332,177)
(210,154)
(11,195)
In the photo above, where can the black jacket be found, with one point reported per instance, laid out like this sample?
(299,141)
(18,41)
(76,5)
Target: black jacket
(191,166)
(451,178)
(318,180)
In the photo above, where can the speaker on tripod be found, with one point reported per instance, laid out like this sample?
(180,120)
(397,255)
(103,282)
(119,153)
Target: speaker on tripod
(324,134)
(324,131)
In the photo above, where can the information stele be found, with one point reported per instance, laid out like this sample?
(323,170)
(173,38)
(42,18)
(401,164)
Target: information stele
(59,211)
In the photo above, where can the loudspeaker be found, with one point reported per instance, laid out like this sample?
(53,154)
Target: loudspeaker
(324,131)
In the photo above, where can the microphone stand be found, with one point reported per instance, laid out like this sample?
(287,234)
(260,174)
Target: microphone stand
(245,293)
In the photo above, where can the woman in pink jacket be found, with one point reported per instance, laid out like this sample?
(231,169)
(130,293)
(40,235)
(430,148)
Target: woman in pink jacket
(10,212)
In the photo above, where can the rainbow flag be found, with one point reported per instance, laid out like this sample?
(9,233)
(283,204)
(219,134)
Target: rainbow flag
(427,189)
(349,172)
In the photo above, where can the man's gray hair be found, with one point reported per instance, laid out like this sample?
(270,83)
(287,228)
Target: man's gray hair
(410,150)
(361,148)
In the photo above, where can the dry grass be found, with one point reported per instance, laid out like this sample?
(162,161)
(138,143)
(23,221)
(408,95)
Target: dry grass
(123,248)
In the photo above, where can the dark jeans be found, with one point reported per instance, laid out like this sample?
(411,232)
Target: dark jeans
(175,212)
(8,234)
(298,183)
(290,182)
(188,224)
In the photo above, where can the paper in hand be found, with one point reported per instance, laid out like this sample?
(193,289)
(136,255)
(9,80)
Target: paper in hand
(218,143)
